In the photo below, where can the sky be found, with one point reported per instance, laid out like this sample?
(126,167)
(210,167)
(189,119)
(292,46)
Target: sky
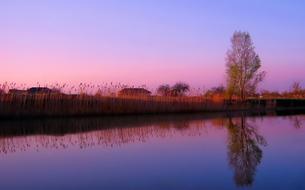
(149,42)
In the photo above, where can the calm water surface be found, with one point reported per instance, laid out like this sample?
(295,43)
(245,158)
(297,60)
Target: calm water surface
(154,152)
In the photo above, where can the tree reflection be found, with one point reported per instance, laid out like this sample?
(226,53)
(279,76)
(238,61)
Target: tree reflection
(297,121)
(244,153)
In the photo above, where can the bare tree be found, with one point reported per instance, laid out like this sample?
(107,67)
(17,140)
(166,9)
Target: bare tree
(164,90)
(243,65)
(296,87)
(296,90)
(216,89)
(179,89)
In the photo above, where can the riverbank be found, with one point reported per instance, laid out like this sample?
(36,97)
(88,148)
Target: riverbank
(61,105)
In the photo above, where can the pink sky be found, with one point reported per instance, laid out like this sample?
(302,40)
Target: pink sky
(149,43)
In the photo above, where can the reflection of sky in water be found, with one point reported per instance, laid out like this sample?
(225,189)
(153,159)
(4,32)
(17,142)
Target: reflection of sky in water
(186,153)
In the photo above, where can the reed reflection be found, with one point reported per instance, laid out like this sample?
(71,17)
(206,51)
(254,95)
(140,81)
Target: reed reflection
(244,152)
(84,133)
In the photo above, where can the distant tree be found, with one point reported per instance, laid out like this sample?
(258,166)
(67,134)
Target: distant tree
(296,87)
(164,90)
(296,90)
(218,90)
(179,89)
(243,65)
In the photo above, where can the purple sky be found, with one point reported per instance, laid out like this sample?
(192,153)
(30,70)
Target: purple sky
(147,41)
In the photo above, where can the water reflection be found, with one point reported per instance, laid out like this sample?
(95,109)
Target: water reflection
(244,150)
(87,132)
(244,143)
(298,121)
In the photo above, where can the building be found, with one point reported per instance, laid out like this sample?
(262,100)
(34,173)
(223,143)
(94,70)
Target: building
(41,90)
(134,92)
(33,90)
(17,92)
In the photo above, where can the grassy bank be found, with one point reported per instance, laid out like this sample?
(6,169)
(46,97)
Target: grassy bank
(81,105)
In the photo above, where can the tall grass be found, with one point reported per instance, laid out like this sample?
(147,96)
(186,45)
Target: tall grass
(88,99)
(73,105)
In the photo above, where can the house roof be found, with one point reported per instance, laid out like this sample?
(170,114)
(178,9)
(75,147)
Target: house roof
(40,90)
(135,91)
(16,90)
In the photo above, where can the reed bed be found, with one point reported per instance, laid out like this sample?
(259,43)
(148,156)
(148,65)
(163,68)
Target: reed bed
(36,105)
(73,105)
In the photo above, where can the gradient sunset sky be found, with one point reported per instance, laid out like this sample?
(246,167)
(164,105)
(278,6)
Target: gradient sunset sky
(147,41)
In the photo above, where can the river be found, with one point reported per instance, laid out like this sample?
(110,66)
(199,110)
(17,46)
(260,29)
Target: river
(182,151)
